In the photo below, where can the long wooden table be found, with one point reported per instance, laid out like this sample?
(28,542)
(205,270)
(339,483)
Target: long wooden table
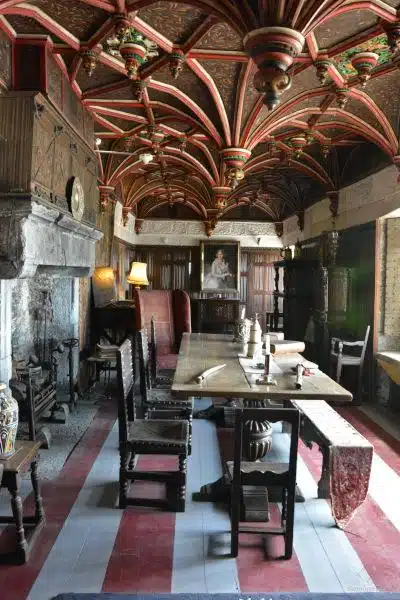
(201,351)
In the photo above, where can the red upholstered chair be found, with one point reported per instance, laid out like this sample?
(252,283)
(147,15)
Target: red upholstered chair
(171,312)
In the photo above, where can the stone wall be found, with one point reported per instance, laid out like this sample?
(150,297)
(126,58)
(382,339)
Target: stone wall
(361,202)
(28,320)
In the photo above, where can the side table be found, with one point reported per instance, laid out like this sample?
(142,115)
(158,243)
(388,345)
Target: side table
(25,457)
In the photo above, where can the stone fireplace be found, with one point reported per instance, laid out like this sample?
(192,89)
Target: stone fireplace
(43,253)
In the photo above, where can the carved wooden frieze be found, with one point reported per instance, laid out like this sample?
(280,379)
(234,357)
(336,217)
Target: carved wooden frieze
(54,77)
(5,59)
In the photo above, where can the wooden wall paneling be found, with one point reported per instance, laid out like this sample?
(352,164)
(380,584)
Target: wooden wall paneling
(105,222)
(16,131)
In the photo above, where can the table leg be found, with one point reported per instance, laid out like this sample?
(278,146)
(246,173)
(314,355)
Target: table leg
(39,512)
(16,505)
(323,483)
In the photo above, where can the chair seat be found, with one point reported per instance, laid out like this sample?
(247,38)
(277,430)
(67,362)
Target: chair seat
(347,359)
(162,433)
(167,361)
(260,467)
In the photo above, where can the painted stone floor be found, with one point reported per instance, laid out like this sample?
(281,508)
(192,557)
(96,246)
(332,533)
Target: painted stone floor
(89,545)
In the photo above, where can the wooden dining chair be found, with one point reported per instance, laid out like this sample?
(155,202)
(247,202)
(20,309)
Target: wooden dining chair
(142,437)
(339,358)
(159,403)
(264,474)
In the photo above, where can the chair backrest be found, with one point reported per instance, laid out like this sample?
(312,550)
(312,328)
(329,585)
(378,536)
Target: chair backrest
(126,381)
(153,349)
(272,415)
(171,311)
(157,304)
(364,348)
(144,364)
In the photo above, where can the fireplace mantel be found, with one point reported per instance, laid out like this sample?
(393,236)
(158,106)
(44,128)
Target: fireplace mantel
(39,237)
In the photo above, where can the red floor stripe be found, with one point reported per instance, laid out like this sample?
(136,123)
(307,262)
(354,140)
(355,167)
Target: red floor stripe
(142,557)
(384,443)
(371,534)
(261,571)
(58,498)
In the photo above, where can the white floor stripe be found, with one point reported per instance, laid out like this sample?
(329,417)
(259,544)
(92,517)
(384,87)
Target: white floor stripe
(387,421)
(384,489)
(384,486)
(326,556)
(79,558)
(195,567)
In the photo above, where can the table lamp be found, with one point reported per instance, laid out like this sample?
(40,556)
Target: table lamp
(138,275)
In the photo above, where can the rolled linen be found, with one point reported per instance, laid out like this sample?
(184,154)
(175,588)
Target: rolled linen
(287,347)
(209,372)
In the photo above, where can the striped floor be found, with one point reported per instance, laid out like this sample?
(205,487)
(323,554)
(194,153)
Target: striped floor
(89,545)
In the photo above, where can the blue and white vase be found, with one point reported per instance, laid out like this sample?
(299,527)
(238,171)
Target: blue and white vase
(8,422)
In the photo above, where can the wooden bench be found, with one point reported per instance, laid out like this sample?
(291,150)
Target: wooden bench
(322,425)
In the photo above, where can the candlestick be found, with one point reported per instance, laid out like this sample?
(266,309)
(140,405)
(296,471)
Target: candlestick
(299,376)
(267,341)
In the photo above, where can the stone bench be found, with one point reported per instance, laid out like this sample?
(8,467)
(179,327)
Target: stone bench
(347,456)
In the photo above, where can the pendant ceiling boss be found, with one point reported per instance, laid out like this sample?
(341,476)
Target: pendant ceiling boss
(273,50)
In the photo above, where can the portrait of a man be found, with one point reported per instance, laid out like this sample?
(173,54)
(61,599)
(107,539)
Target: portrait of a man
(220,266)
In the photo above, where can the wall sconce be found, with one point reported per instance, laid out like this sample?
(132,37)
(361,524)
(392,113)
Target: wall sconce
(138,275)
(104,286)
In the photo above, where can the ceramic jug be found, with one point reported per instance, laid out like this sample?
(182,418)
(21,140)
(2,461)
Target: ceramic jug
(8,422)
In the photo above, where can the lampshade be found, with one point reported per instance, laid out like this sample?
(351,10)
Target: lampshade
(138,274)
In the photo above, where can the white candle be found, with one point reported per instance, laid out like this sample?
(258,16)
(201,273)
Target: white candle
(267,340)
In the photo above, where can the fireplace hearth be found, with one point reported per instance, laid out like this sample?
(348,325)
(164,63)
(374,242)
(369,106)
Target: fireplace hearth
(35,389)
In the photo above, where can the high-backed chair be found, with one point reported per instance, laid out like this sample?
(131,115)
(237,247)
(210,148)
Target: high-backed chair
(158,403)
(339,358)
(264,474)
(160,378)
(171,312)
(142,437)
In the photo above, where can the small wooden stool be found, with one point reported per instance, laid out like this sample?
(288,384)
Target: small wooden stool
(25,456)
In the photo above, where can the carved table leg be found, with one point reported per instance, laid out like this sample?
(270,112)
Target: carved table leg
(39,512)
(323,483)
(16,505)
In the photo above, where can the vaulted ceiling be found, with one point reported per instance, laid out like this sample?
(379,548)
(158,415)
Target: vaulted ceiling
(240,119)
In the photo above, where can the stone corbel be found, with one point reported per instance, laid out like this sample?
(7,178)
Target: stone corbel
(138,225)
(106,195)
(300,220)
(333,204)
(211,221)
(279,228)
(126,211)
(396,161)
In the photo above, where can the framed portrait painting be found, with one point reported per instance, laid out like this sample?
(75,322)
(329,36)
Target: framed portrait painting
(219,266)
